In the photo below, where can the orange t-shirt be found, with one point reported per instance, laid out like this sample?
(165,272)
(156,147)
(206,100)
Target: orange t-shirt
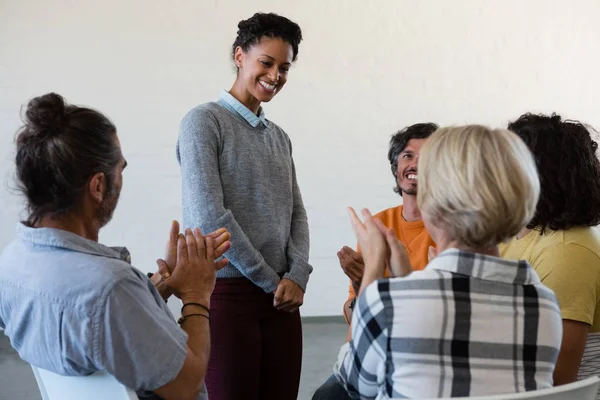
(412,234)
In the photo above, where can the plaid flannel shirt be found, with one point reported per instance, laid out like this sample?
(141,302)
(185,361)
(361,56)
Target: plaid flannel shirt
(467,325)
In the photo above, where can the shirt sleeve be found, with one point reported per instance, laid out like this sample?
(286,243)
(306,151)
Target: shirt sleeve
(572,272)
(138,342)
(360,367)
(203,204)
(299,243)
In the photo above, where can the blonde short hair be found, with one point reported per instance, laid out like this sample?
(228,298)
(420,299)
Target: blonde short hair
(476,184)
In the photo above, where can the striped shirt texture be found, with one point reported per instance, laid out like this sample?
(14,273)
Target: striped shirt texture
(467,325)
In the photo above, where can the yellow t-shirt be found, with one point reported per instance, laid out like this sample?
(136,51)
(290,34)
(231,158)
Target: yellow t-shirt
(568,262)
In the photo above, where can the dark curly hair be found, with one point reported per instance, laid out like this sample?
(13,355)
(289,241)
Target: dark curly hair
(59,148)
(401,138)
(568,168)
(260,25)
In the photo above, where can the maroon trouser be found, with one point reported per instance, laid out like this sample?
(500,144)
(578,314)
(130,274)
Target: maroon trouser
(256,350)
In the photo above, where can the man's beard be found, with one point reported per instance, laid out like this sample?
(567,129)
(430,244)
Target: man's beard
(107,208)
(411,191)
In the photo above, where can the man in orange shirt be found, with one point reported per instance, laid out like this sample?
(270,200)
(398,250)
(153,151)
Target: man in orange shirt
(405,219)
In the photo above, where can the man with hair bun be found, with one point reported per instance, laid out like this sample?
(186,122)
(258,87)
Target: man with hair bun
(73,306)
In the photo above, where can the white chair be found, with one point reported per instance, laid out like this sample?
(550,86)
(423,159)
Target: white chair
(98,386)
(581,390)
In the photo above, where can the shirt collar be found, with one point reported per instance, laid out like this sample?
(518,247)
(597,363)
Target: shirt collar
(485,267)
(234,105)
(69,241)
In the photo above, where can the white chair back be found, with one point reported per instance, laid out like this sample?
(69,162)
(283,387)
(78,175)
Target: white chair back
(98,386)
(581,390)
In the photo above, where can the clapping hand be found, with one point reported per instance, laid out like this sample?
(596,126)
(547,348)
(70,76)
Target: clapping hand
(220,241)
(380,248)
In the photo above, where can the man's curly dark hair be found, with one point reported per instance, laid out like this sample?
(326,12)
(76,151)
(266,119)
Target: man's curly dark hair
(568,168)
(399,141)
(260,25)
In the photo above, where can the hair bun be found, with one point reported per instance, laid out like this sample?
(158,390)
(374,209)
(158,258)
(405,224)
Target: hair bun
(46,113)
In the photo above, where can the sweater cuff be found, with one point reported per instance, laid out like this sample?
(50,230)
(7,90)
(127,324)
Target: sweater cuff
(299,276)
(269,282)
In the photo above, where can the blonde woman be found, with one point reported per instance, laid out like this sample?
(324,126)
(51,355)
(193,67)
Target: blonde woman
(471,323)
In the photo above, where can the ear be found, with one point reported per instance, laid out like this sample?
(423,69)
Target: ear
(97,187)
(238,57)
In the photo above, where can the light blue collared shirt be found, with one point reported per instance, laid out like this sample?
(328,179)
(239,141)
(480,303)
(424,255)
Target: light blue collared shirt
(235,106)
(74,306)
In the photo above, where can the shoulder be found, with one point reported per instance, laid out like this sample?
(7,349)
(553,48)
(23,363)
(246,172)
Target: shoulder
(587,238)
(102,275)
(204,115)
(202,123)
(576,244)
(389,213)
(207,110)
(428,278)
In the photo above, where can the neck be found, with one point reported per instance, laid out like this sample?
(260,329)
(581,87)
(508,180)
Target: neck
(242,95)
(523,233)
(452,244)
(76,225)
(410,210)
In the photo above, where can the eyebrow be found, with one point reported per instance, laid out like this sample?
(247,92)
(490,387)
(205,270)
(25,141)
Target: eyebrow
(272,58)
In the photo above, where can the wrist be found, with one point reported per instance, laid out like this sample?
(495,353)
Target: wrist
(199,299)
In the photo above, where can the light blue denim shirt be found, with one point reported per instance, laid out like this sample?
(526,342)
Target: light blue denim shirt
(74,306)
(235,106)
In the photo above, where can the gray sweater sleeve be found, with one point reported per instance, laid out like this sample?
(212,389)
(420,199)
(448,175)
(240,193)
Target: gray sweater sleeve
(203,206)
(299,242)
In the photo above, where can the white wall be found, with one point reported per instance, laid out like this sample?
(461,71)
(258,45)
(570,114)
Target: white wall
(365,69)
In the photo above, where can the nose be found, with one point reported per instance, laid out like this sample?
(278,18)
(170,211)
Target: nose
(274,74)
(415,161)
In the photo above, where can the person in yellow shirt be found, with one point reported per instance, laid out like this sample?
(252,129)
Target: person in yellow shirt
(405,220)
(561,241)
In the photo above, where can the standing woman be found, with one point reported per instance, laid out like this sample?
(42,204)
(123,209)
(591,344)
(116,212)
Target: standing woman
(238,173)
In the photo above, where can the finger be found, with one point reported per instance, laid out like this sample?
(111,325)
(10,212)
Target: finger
(278,295)
(393,242)
(200,244)
(174,232)
(222,249)
(431,253)
(210,250)
(288,307)
(192,246)
(399,261)
(221,238)
(381,226)
(367,217)
(217,233)
(171,246)
(221,263)
(350,267)
(182,255)
(357,225)
(163,269)
(289,303)
(353,254)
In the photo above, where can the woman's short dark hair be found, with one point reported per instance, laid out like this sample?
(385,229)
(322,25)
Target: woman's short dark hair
(568,168)
(59,148)
(260,25)
(401,138)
